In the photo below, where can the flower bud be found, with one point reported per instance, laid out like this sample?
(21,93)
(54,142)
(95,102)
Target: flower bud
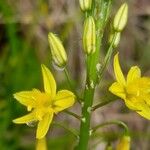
(85,4)
(124,143)
(115,38)
(41,144)
(89,35)
(121,17)
(59,55)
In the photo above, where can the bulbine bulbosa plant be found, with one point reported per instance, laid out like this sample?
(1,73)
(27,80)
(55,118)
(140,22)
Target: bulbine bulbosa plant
(134,90)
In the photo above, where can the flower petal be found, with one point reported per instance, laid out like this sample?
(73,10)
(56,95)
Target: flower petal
(41,144)
(49,81)
(63,100)
(25,119)
(43,125)
(133,74)
(132,104)
(140,106)
(118,72)
(117,89)
(27,98)
(145,112)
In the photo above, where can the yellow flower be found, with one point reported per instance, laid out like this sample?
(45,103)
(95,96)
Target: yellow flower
(124,143)
(135,90)
(43,105)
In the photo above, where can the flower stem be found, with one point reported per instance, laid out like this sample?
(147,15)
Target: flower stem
(72,131)
(102,104)
(71,85)
(107,58)
(114,122)
(72,114)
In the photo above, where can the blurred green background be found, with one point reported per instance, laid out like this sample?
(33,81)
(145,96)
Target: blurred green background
(24,26)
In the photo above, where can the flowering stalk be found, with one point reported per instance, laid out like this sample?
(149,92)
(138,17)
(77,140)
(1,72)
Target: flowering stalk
(91,61)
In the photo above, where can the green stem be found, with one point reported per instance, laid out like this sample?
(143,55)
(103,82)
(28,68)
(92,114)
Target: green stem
(88,96)
(91,78)
(107,58)
(72,131)
(71,85)
(72,114)
(114,122)
(102,104)
(86,116)
(68,79)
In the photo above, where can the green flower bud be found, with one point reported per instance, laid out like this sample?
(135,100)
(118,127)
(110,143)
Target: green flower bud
(121,17)
(85,4)
(124,143)
(89,35)
(59,55)
(115,38)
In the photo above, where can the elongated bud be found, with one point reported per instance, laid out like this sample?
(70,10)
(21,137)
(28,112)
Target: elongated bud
(85,4)
(59,55)
(121,17)
(124,143)
(89,36)
(115,38)
(41,144)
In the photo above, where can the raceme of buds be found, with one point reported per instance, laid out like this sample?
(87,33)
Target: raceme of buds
(124,143)
(59,55)
(115,38)
(89,36)
(121,17)
(85,4)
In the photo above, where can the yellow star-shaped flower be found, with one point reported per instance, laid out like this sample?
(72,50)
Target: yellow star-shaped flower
(43,105)
(135,90)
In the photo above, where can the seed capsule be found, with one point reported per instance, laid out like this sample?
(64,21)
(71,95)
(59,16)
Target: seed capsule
(59,55)
(89,36)
(121,17)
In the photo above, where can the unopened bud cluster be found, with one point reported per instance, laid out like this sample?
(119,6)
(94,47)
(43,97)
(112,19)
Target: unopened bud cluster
(59,55)
(85,5)
(89,35)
